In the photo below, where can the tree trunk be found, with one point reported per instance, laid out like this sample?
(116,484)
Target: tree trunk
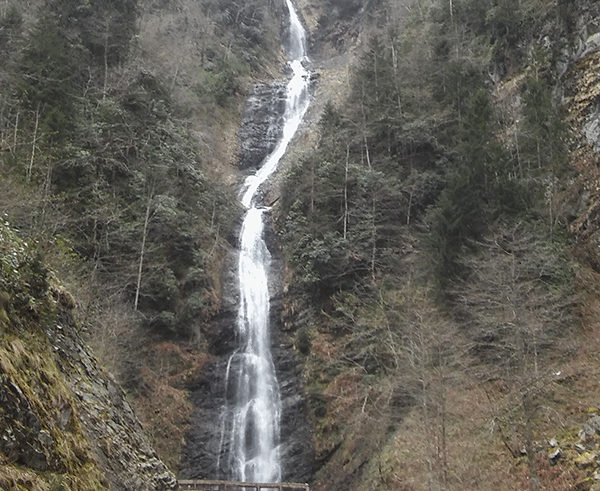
(33,144)
(346,191)
(16,132)
(105,88)
(373,235)
(142,252)
(528,407)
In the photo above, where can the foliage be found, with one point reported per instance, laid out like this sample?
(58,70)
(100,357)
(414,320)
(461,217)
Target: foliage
(425,237)
(529,269)
(50,68)
(544,130)
(114,161)
(223,84)
(10,28)
(24,285)
(248,30)
(112,140)
(345,9)
(117,119)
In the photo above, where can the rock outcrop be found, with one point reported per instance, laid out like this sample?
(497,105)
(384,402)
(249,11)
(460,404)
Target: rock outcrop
(262,124)
(580,454)
(116,436)
(201,452)
(64,422)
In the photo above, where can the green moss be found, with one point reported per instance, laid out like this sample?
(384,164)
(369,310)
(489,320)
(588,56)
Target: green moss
(28,363)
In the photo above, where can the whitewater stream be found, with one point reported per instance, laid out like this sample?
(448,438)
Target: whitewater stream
(250,437)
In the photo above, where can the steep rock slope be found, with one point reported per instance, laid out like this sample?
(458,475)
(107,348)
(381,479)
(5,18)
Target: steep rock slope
(64,422)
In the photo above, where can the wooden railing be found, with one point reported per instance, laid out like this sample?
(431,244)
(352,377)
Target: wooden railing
(240,486)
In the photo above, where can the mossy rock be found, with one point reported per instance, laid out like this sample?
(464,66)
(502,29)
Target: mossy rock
(586,460)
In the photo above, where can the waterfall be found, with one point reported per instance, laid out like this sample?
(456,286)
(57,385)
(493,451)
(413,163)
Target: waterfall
(250,429)
(296,106)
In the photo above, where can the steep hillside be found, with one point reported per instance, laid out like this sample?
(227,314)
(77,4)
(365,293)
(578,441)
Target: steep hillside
(439,237)
(64,422)
(118,124)
(437,223)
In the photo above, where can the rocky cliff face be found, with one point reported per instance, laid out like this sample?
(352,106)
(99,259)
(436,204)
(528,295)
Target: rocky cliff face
(117,440)
(202,448)
(582,91)
(64,422)
(262,124)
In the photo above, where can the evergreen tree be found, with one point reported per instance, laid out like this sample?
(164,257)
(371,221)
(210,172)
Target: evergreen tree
(50,69)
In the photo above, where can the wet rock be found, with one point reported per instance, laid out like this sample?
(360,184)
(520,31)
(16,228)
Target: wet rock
(204,454)
(262,124)
(200,457)
(297,453)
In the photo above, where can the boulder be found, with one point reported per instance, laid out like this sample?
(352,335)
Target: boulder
(554,455)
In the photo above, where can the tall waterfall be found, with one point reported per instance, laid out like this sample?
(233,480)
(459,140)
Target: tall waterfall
(250,437)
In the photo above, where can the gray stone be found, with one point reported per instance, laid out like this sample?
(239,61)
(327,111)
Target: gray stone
(554,456)
(591,44)
(592,129)
(121,449)
(594,423)
(36,460)
(586,432)
(45,438)
(262,124)
(64,418)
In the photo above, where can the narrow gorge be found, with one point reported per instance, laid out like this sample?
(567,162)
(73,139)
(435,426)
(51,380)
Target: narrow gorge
(254,427)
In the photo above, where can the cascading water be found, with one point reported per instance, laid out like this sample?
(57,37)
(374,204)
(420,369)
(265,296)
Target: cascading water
(250,437)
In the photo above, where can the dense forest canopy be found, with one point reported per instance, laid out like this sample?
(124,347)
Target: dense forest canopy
(422,145)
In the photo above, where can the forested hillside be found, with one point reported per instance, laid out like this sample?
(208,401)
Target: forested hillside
(440,298)
(117,118)
(118,147)
(437,221)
